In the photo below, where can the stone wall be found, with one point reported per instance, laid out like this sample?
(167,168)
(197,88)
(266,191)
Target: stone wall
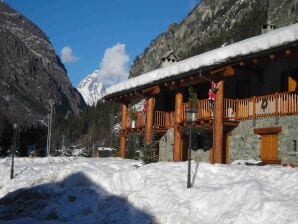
(166,146)
(246,145)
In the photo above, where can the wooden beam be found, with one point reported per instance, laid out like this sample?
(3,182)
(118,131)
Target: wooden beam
(230,71)
(219,70)
(292,84)
(225,71)
(218,124)
(177,127)
(270,130)
(272,56)
(191,82)
(151,91)
(124,114)
(288,52)
(149,121)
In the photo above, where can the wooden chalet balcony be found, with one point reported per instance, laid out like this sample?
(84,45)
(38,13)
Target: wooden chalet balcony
(277,104)
(162,121)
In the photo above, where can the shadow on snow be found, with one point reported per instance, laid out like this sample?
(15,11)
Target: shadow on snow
(76,199)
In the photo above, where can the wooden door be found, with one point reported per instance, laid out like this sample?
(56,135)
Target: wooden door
(269,144)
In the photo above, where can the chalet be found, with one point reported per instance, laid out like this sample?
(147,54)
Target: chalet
(256,106)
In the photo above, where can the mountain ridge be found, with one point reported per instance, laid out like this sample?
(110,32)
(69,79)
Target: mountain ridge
(212,23)
(91,88)
(31,73)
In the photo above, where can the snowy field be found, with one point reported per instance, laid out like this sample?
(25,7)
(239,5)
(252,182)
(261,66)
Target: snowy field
(82,190)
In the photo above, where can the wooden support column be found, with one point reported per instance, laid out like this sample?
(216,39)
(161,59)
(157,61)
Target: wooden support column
(219,124)
(292,84)
(124,112)
(149,121)
(177,151)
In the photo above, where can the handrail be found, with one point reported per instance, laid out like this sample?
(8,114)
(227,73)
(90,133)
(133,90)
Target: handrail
(234,109)
(161,119)
(251,108)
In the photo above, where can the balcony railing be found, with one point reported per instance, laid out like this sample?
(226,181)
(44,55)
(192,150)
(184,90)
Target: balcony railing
(251,108)
(261,106)
(162,120)
(277,104)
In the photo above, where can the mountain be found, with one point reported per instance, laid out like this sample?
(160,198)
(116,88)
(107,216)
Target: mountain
(213,23)
(91,88)
(31,73)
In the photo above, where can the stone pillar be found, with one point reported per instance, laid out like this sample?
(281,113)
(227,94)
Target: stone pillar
(177,151)
(149,121)
(124,112)
(218,124)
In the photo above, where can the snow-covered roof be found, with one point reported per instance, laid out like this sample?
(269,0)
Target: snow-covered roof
(169,53)
(273,39)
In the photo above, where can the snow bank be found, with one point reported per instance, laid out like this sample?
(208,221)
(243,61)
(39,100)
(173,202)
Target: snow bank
(249,46)
(82,190)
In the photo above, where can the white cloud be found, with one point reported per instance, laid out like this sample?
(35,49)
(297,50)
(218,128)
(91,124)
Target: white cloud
(114,65)
(67,55)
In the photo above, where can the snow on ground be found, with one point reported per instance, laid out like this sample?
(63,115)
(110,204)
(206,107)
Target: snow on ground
(114,190)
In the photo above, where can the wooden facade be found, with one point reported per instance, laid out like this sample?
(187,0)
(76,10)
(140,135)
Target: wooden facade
(232,105)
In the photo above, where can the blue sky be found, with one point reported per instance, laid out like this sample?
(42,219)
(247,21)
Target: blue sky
(93,32)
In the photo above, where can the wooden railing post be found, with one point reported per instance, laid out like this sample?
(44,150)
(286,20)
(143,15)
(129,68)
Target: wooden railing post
(124,114)
(177,127)
(149,121)
(276,107)
(237,110)
(167,120)
(254,109)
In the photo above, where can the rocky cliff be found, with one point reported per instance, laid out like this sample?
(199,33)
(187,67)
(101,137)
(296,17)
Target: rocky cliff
(213,23)
(31,73)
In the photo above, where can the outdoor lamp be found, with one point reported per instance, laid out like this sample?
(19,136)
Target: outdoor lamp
(191,117)
(191,114)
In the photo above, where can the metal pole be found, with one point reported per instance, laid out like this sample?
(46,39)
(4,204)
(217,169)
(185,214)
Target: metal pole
(48,151)
(13,150)
(189,157)
(63,147)
(51,102)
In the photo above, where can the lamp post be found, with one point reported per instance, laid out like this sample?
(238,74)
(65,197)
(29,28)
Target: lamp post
(14,148)
(191,117)
(51,102)
(63,146)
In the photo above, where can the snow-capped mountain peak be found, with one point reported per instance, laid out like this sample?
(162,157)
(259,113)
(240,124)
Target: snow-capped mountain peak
(91,88)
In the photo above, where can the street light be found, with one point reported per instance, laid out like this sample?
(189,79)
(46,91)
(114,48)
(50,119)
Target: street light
(191,117)
(51,102)
(13,149)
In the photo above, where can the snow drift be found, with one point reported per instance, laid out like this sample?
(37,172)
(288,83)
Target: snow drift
(81,190)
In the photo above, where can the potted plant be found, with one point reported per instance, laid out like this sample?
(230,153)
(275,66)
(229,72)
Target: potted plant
(133,116)
(192,100)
